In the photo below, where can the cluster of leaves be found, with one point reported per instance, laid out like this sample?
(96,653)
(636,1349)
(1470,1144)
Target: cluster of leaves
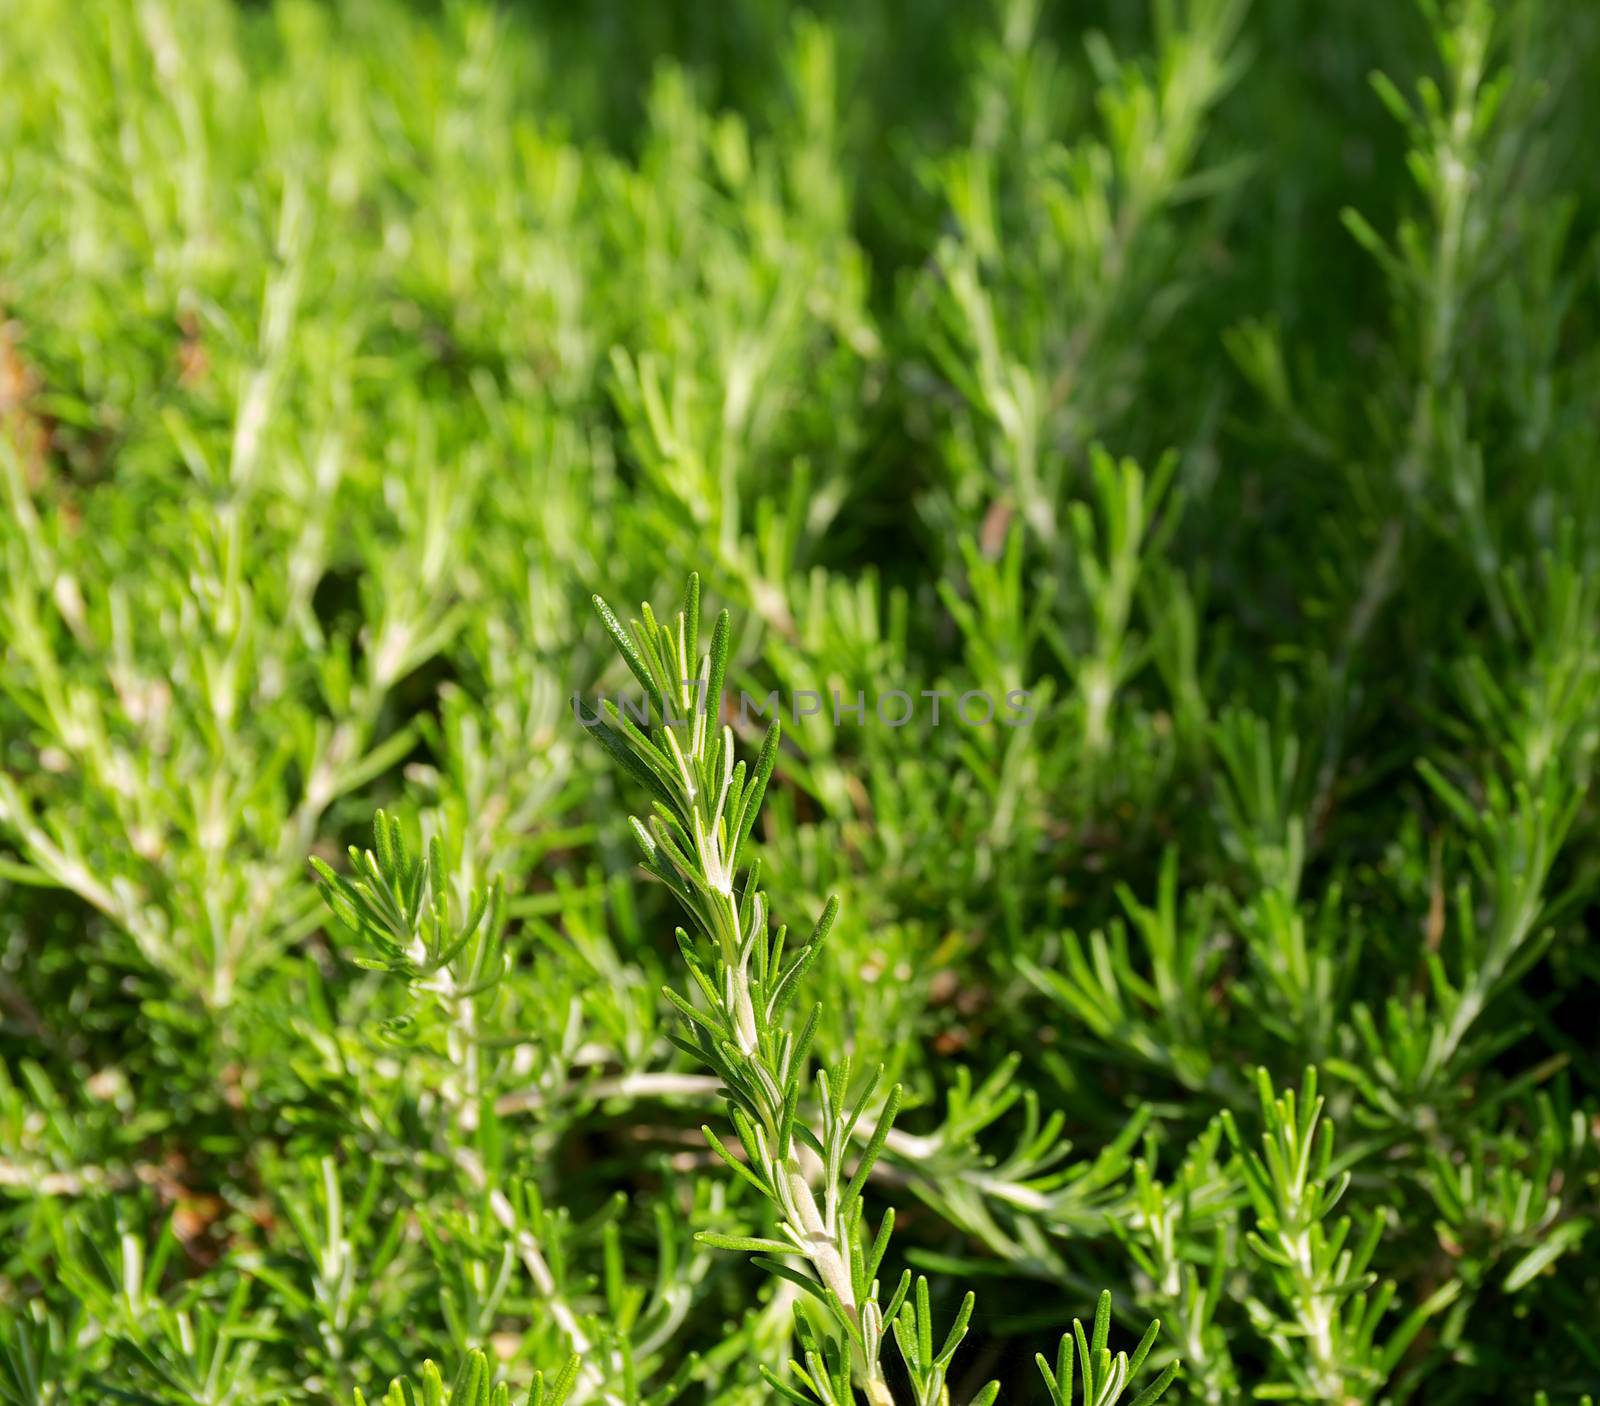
(1143,460)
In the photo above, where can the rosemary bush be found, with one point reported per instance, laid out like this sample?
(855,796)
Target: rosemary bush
(1101,680)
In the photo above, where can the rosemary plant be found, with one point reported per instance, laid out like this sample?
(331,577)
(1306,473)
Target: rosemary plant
(798,1142)
(1146,454)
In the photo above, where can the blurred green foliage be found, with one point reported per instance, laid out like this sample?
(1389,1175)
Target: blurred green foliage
(1222,377)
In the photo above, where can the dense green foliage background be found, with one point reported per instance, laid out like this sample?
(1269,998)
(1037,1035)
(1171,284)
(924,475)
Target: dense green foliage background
(1239,404)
